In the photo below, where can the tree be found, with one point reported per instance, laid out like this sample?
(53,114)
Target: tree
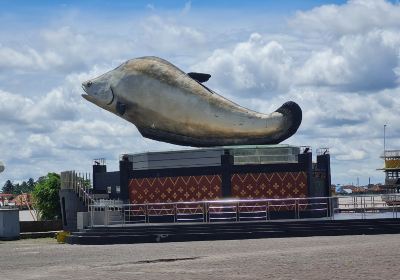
(17,189)
(31,184)
(24,187)
(8,187)
(46,196)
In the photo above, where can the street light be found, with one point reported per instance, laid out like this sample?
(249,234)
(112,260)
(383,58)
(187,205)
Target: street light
(384,139)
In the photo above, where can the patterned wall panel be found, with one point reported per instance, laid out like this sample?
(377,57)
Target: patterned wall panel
(269,185)
(173,189)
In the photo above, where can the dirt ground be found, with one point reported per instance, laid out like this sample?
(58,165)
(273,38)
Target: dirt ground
(340,257)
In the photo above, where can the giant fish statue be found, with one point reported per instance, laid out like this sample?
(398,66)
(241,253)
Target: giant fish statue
(167,104)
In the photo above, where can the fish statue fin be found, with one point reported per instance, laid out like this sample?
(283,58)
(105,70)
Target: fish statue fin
(200,77)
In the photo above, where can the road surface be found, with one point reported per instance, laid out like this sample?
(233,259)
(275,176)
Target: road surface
(339,257)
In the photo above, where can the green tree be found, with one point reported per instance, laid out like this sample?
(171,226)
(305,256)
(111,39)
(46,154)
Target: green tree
(17,189)
(46,196)
(8,187)
(31,185)
(24,187)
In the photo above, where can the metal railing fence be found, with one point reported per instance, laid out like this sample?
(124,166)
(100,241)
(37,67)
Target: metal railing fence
(108,213)
(80,183)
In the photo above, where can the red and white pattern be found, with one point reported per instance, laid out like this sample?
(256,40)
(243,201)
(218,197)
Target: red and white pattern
(175,189)
(269,185)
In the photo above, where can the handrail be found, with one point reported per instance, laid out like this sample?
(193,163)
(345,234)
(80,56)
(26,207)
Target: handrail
(78,182)
(245,209)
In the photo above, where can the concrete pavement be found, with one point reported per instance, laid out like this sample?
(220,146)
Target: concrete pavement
(339,257)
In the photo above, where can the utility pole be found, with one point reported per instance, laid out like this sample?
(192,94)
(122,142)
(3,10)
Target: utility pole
(384,139)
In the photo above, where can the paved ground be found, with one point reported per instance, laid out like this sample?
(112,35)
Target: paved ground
(341,257)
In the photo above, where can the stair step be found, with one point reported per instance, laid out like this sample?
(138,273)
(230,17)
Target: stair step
(222,231)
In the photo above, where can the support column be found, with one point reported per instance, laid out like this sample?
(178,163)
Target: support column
(125,168)
(226,167)
(305,160)
(324,163)
(97,168)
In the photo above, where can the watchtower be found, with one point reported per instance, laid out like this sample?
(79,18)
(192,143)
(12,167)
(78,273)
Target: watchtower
(392,170)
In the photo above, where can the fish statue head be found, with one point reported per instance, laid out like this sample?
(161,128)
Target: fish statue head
(100,91)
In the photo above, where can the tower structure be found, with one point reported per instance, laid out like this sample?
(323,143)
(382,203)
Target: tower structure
(392,170)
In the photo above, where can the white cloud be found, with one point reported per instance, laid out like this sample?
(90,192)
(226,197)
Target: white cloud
(254,67)
(353,17)
(166,35)
(27,58)
(12,107)
(363,62)
(63,50)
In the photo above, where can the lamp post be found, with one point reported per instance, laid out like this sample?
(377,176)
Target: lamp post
(384,139)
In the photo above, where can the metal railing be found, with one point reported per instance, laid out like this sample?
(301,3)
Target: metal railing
(368,206)
(340,207)
(80,183)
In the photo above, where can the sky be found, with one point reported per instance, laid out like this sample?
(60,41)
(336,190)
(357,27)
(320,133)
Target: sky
(339,60)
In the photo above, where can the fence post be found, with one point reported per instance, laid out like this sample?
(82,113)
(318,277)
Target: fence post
(105,215)
(91,215)
(123,214)
(147,214)
(207,211)
(175,212)
(393,205)
(237,212)
(204,213)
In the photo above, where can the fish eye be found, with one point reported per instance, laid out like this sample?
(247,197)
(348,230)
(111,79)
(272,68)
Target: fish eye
(89,83)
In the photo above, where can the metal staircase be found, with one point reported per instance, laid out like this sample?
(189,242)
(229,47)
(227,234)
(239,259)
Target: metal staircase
(80,183)
(77,195)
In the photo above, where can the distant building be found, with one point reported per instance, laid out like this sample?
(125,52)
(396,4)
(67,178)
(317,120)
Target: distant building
(392,170)
(5,198)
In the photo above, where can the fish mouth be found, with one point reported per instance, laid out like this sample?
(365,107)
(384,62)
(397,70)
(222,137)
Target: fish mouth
(93,99)
(89,98)
(86,94)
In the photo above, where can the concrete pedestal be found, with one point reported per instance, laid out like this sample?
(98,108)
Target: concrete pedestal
(9,224)
(82,220)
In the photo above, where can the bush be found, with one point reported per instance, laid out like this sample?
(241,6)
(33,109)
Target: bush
(46,196)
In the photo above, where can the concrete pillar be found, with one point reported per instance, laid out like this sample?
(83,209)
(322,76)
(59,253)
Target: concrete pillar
(227,162)
(324,163)
(9,224)
(305,161)
(98,168)
(125,169)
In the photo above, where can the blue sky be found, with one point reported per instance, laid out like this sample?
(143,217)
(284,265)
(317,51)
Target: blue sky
(339,60)
(171,4)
